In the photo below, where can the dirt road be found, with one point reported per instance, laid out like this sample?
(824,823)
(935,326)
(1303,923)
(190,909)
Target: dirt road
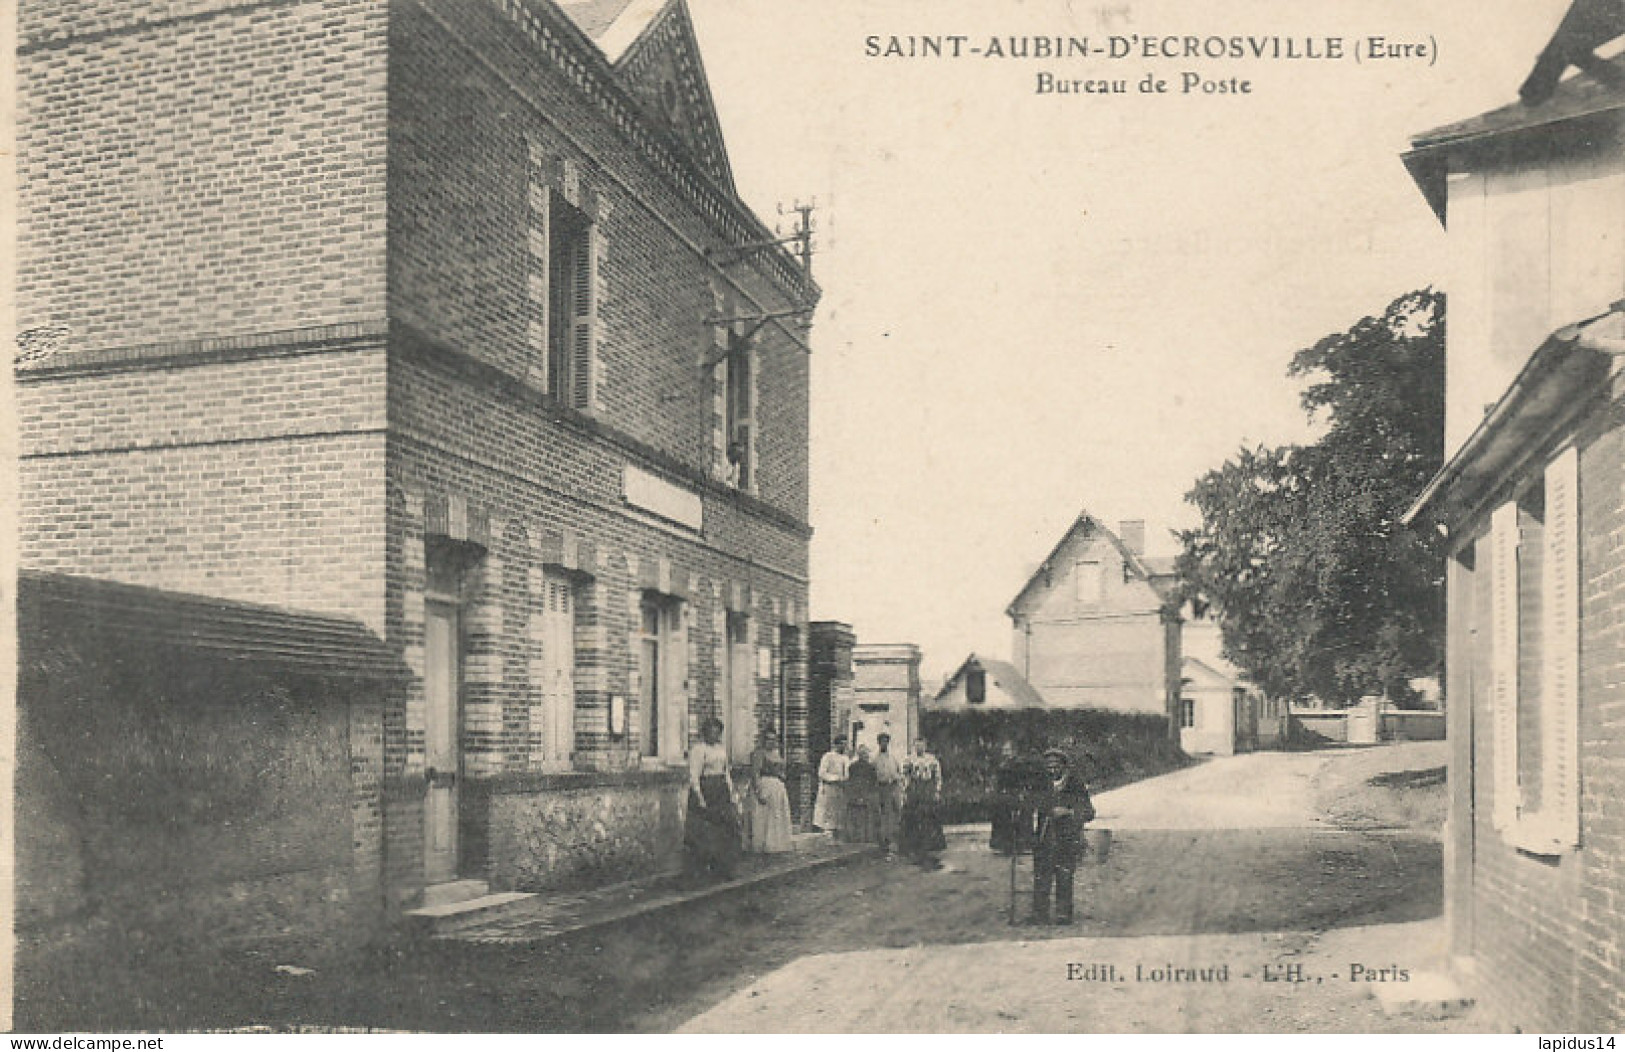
(1248,894)
(1261,862)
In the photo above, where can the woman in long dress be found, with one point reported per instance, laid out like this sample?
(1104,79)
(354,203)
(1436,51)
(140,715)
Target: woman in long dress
(711,827)
(921,835)
(862,823)
(831,802)
(767,803)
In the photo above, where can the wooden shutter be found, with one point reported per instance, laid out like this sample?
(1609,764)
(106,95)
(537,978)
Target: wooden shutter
(583,321)
(536,330)
(558,655)
(1560,700)
(1504,663)
(674,685)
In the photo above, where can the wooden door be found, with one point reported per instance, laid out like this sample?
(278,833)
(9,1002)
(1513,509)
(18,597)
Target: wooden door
(442,677)
(558,656)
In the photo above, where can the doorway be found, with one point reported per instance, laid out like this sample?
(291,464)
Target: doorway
(442,691)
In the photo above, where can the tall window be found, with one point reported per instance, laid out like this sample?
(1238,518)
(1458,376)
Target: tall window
(572,279)
(662,677)
(1187,712)
(738,412)
(739,679)
(1534,694)
(789,641)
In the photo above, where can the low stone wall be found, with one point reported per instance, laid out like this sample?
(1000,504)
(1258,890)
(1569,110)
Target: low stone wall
(567,831)
(1411,726)
(1332,725)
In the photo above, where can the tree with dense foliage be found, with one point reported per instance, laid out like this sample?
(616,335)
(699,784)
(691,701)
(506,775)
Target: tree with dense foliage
(1318,587)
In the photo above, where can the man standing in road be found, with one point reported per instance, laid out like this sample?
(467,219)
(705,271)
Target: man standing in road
(1062,811)
(889,773)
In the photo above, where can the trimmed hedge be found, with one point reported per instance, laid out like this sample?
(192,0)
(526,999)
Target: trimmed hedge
(1109,748)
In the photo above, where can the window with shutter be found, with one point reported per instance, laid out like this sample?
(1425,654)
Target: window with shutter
(674,720)
(572,305)
(739,422)
(1504,664)
(1557,825)
(1535,661)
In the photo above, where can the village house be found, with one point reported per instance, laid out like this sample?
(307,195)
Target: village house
(1220,711)
(1532,501)
(444,320)
(1099,624)
(1092,629)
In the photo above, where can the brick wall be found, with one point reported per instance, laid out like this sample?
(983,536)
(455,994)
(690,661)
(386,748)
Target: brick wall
(478,108)
(1547,932)
(198,169)
(257,480)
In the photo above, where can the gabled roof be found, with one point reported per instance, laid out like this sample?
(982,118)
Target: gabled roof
(1005,676)
(1084,522)
(656,58)
(310,644)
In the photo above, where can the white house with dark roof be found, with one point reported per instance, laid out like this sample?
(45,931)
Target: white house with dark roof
(1532,501)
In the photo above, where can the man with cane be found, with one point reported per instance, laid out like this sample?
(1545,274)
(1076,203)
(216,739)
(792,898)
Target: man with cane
(1062,810)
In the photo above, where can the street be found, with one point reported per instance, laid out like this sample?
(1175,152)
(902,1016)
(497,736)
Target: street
(1286,884)
(1255,864)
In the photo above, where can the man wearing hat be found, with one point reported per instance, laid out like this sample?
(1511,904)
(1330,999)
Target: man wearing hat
(889,773)
(1062,811)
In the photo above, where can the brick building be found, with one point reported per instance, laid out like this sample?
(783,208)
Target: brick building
(1531,499)
(444,318)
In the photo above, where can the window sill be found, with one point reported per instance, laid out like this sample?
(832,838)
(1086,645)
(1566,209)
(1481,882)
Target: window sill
(1534,837)
(565,781)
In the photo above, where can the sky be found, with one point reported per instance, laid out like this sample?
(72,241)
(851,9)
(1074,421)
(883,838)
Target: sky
(1039,304)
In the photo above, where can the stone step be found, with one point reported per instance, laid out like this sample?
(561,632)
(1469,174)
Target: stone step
(446,917)
(1428,995)
(454,891)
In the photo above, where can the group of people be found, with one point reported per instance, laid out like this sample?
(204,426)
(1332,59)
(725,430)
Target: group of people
(880,799)
(724,823)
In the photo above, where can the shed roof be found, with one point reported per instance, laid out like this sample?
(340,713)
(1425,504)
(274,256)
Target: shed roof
(1545,99)
(1563,374)
(310,644)
(1005,676)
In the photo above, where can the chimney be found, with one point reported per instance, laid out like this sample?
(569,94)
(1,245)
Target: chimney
(1132,533)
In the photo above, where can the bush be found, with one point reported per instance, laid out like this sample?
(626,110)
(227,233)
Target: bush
(1109,748)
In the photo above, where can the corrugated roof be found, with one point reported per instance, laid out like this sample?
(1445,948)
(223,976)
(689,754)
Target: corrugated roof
(306,643)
